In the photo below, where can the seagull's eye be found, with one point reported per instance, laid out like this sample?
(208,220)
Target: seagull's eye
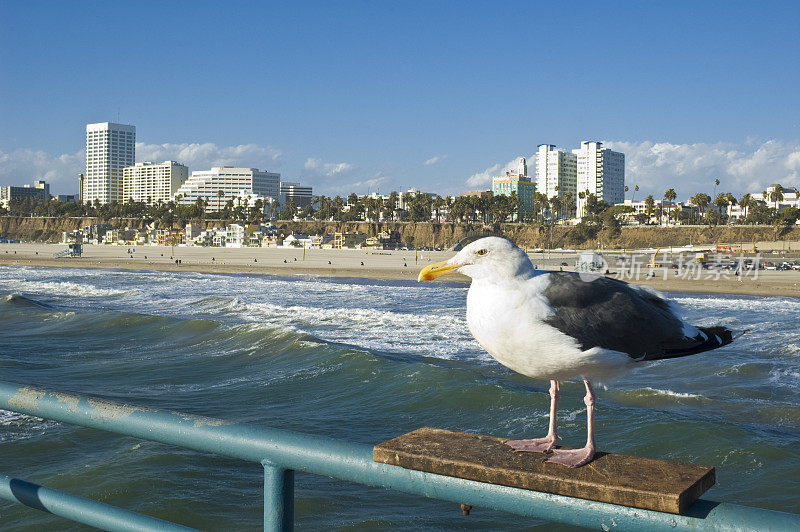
(481,252)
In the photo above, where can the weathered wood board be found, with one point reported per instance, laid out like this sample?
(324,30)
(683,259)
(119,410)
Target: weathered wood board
(625,480)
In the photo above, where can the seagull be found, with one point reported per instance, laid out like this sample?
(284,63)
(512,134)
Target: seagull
(560,325)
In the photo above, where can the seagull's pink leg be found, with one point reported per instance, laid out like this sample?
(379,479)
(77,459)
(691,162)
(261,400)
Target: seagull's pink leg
(579,457)
(540,445)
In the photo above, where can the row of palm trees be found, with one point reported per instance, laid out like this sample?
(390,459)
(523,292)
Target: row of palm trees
(416,207)
(720,204)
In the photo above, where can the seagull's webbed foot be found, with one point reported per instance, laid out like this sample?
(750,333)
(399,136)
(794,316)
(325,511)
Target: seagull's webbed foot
(535,445)
(572,457)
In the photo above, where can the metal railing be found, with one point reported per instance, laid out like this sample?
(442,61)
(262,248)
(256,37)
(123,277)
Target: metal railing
(282,452)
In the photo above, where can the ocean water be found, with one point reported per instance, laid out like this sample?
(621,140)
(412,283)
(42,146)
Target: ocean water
(363,361)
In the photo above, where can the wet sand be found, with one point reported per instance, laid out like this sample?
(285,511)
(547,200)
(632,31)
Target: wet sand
(400,265)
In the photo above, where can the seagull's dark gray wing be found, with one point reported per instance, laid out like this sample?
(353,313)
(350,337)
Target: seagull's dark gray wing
(603,312)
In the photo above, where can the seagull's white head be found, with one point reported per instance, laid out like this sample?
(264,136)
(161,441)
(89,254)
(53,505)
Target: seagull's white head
(491,258)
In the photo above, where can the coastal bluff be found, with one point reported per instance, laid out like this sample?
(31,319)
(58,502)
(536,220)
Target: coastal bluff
(444,235)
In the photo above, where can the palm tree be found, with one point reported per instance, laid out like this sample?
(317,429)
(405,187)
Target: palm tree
(702,201)
(649,206)
(438,204)
(721,202)
(635,190)
(776,195)
(670,196)
(557,205)
(568,203)
(716,184)
(540,204)
(746,202)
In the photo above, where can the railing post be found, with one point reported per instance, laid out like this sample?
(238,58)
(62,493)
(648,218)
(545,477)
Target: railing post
(278,498)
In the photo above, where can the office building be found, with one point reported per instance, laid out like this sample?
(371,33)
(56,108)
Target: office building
(518,183)
(300,195)
(109,148)
(152,182)
(223,183)
(40,191)
(601,172)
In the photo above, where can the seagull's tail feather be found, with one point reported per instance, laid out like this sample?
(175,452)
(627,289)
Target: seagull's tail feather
(714,337)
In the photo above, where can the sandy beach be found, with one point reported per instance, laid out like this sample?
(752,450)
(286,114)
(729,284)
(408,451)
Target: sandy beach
(400,265)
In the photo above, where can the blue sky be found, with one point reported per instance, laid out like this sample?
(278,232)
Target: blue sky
(361,95)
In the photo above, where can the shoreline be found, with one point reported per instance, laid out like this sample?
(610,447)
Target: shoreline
(357,264)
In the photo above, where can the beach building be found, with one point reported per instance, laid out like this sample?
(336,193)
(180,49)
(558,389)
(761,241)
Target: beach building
(272,240)
(556,172)
(348,240)
(517,183)
(235,236)
(109,149)
(152,182)
(789,197)
(67,198)
(120,236)
(192,231)
(205,238)
(300,195)
(673,212)
(601,172)
(224,183)
(170,237)
(39,191)
(297,241)
(403,200)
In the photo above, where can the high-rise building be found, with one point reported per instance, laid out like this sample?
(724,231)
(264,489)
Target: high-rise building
(223,183)
(518,183)
(556,172)
(153,182)
(601,172)
(109,148)
(300,195)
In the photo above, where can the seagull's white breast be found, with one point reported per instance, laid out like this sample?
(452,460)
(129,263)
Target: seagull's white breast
(507,319)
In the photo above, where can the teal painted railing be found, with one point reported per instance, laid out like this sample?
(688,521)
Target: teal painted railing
(282,452)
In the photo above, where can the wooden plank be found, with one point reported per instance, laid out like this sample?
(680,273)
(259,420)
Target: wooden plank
(625,480)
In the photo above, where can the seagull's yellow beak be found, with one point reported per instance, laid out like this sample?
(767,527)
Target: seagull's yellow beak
(437,269)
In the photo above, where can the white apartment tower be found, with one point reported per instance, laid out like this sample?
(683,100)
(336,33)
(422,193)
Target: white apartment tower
(556,171)
(223,183)
(601,172)
(152,182)
(109,148)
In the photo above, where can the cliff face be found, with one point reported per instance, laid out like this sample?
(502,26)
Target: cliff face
(445,235)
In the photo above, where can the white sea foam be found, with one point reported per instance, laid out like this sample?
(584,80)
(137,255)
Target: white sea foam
(62,288)
(669,393)
(20,426)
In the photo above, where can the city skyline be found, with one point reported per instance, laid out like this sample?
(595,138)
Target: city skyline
(688,92)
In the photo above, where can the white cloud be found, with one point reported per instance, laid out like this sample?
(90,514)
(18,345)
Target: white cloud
(203,156)
(434,160)
(484,178)
(359,187)
(692,168)
(23,166)
(319,167)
